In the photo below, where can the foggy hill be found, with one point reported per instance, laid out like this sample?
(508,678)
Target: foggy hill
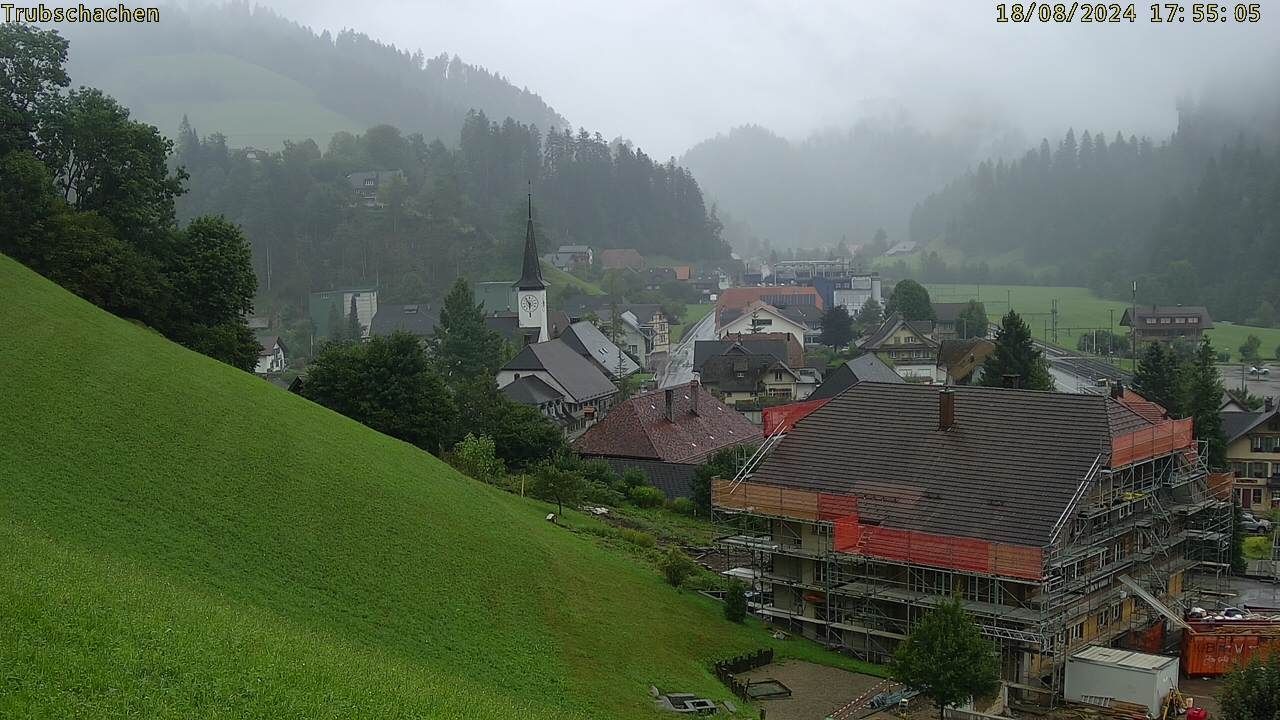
(260,78)
(835,184)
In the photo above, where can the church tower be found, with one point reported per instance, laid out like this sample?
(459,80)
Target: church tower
(531,289)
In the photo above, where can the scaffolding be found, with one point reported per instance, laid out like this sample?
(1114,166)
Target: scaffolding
(1149,509)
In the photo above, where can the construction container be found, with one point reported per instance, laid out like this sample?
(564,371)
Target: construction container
(1099,675)
(1212,648)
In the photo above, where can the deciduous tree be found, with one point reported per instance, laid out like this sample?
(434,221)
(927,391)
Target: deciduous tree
(388,385)
(946,657)
(463,347)
(972,320)
(911,300)
(837,327)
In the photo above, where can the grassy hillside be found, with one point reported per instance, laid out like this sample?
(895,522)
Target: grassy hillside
(184,540)
(1080,311)
(248,103)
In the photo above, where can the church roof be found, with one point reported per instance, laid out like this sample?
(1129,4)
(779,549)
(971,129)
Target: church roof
(531,273)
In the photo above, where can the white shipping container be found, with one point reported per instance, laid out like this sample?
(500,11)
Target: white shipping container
(1097,673)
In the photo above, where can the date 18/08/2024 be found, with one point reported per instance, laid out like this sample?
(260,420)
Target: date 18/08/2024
(1115,12)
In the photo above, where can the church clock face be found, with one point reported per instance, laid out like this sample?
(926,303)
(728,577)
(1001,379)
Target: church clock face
(529,303)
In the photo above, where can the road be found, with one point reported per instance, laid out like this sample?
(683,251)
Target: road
(1234,374)
(679,367)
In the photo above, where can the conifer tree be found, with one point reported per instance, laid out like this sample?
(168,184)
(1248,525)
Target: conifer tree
(1156,378)
(1016,355)
(1202,391)
(463,347)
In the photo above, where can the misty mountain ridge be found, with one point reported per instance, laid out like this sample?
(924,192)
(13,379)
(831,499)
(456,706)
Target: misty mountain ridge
(839,183)
(259,78)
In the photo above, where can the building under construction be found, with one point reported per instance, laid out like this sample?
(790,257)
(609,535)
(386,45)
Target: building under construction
(1058,520)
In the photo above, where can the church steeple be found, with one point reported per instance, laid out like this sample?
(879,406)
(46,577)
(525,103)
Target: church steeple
(531,273)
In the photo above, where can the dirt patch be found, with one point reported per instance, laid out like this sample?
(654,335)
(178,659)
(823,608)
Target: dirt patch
(816,690)
(1203,691)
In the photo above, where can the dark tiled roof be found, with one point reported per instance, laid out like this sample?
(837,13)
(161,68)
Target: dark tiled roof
(675,480)
(721,372)
(948,312)
(507,324)
(620,258)
(419,320)
(1159,311)
(1003,473)
(803,314)
(576,374)
(891,325)
(589,342)
(638,428)
(864,368)
(704,350)
(1236,425)
(531,390)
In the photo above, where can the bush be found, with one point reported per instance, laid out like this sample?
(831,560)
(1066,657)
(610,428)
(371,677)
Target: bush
(477,457)
(676,567)
(597,494)
(735,602)
(646,496)
(1226,356)
(683,506)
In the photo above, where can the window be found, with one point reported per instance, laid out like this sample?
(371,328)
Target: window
(1257,470)
(1151,321)
(1255,443)
(1193,320)
(1241,469)
(1165,320)
(1077,632)
(780,393)
(777,376)
(1104,618)
(1180,321)
(368,182)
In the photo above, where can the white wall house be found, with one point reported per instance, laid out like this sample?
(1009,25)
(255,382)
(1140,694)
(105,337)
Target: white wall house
(760,317)
(271,356)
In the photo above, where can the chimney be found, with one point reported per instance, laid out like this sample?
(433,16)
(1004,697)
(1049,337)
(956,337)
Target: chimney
(946,409)
(1011,380)
(667,412)
(694,388)
(1117,390)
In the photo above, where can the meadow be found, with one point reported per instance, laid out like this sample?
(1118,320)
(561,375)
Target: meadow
(183,539)
(1081,312)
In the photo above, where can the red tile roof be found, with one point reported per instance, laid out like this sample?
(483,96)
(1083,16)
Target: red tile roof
(740,297)
(638,428)
(1145,408)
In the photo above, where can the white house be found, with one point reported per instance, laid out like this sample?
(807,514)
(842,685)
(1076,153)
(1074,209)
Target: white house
(271,356)
(759,317)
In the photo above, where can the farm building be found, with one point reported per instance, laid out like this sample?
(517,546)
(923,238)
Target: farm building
(1059,520)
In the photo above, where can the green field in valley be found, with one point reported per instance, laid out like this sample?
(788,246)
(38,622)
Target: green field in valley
(184,540)
(1080,312)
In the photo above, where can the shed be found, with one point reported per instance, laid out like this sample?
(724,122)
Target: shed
(1096,674)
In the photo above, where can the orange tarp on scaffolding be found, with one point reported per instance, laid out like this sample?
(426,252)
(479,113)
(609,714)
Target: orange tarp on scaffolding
(785,417)
(852,536)
(1169,436)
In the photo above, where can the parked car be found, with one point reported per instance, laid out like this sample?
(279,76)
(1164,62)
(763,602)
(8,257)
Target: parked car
(1259,371)
(1260,525)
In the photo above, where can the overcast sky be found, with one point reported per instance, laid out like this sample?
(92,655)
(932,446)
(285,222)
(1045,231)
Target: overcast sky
(669,73)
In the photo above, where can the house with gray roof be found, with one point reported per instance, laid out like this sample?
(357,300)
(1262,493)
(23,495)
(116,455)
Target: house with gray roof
(586,391)
(864,368)
(418,320)
(1165,323)
(591,343)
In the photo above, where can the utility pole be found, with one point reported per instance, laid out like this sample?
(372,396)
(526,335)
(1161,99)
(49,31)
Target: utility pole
(1133,322)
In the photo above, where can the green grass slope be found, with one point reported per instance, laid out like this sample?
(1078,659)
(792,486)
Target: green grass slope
(183,540)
